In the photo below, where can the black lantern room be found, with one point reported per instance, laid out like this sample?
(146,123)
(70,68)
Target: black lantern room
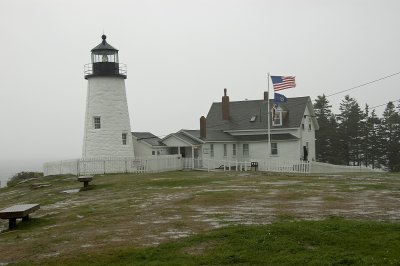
(105,62)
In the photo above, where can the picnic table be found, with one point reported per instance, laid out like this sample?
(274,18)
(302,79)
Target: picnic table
(18,211)
(85,179)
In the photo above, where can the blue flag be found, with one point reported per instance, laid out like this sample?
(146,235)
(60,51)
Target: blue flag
(279,98)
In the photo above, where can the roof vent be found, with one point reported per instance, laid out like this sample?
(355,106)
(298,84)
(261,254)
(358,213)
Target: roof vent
(253,118)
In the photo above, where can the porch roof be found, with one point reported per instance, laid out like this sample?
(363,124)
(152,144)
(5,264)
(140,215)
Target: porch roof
(220,135)
(180,139)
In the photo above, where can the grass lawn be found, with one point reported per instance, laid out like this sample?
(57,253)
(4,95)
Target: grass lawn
(219,218)
(333,241)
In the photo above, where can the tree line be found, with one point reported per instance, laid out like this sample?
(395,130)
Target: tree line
(357,136)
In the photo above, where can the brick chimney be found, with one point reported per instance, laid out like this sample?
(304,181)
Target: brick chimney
(203,128)
(266,96)
(225,106)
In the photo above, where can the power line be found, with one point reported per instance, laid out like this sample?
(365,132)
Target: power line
(365,84)
(349,89)
(384,104)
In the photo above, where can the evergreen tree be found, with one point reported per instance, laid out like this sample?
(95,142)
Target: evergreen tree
(372,142)
(350,130)
(323,114)
(365,136)
(389,132)
(335,154)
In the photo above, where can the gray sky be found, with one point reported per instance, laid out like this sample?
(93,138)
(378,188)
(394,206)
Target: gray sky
(181,54)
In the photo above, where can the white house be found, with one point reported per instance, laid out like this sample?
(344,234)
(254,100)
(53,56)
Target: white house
(239,131)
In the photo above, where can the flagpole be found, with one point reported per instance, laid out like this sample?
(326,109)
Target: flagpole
(269,122)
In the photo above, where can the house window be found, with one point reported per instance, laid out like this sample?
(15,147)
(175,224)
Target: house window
(96,121)
(212,150)
(274,148)
(309,124)
(225,150)
(123,138)
(302,126)
(153,152)
(233,149)
(246,150)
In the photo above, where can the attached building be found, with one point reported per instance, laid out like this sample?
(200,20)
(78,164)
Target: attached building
(146,144)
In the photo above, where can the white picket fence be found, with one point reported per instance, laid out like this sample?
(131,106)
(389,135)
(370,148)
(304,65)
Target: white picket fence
(176,162)
(272,165)
(317,167)
(113,165)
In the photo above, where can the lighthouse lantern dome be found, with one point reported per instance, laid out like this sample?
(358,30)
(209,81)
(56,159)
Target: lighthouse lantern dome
(105,61)
(104,52)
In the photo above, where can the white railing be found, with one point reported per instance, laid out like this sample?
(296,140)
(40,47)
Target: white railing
(208,164)
(114,165)
(270,165)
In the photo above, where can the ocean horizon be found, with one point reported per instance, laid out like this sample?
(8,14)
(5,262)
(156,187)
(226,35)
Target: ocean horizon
(11,167)
(4,177)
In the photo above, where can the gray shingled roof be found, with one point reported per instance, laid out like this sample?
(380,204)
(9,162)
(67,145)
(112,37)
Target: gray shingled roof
(242,111)
(219,135)
(149,138)
(186,138)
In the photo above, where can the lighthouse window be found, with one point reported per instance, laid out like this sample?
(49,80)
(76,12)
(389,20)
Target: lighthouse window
(97,123)
(123,138)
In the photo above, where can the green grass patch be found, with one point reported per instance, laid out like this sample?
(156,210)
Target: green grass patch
(333,241)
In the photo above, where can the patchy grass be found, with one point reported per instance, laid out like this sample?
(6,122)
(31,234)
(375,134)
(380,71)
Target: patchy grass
(333,241)
(125,217)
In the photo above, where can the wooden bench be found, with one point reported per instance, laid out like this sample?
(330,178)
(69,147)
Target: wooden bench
(85,179)
(18,211)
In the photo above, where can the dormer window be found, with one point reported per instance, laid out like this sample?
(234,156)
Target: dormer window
(277,116)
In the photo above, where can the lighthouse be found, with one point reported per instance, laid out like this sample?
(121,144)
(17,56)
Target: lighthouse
(107,132)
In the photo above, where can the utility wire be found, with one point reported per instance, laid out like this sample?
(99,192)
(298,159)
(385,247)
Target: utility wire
(365,84)
(384,104)
(349,89)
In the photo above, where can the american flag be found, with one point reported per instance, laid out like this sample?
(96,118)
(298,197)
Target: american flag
(283,82)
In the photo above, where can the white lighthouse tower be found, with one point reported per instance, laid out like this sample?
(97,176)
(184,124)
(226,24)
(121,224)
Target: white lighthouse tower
(107,125)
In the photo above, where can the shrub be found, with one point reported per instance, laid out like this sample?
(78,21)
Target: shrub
(21,176)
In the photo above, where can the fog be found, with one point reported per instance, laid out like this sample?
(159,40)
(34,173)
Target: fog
(180,56)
